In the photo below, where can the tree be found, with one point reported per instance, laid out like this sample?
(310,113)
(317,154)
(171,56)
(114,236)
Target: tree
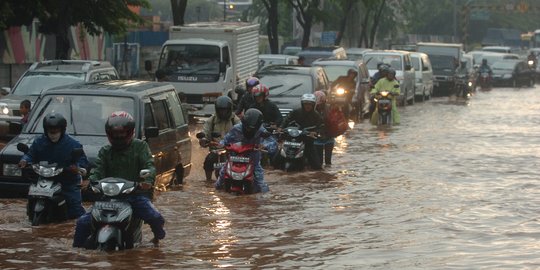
(57,16)
(272,24)
(307,12)
(347,6)
(178,8)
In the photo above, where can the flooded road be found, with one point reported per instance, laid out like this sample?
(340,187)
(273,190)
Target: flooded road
(455,186)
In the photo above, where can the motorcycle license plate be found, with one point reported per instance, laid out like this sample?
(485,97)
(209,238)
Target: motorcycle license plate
(292,144)
(239,159)
(102,205)
(218,165)
(384,102)
(37,191)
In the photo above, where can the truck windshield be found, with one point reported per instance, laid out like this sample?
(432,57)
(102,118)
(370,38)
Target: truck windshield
(194,63)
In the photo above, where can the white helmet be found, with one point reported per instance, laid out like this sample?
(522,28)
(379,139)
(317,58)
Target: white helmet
(308,98)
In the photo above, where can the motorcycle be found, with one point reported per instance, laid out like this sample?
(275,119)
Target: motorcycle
(463,86)
(213,150)
(113,224)
(239,168)
(383,103)
(46,204)
(341,97)
(290,156)
(485,81)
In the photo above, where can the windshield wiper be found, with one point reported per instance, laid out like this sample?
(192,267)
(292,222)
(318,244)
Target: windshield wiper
(288,90)
(71,116)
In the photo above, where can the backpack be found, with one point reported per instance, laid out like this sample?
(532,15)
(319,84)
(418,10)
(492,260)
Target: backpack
(336,123)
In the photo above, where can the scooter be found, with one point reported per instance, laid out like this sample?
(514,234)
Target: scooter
(239,168)
(485,81)
(213,150)
(46,204)
(290,156)
(113,224)
(383,103)
(340,97)
(463,86)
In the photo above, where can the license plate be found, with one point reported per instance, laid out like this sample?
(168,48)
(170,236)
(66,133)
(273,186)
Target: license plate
(239,159)
(111,205)
(292,144)
(218,165)
(384,101)
(37,191)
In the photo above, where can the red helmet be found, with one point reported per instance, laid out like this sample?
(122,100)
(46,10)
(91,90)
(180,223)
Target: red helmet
(120,128)
(320,97)
(260,90)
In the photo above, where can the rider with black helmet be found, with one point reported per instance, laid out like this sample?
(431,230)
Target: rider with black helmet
(55,146)
(249,132)
(247,98)
(221,122)
(125,157)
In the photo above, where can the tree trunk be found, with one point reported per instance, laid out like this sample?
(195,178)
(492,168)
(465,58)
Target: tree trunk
(272,25)
(62,44)
(346,11)
(376,21)
(178,8)
(362,41)
(307,31)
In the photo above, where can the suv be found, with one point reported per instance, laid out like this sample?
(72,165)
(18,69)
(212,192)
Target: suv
(424,75)
(402,63)
(155,107)
(44,75)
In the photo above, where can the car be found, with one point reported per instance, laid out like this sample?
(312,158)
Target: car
(493,57)
(499,49)
(155,107)
(291,50)
(47,74)
(402,63)
(336,68)
(512,73)
(288,83)
(277,59)
(423,75)
(311,54)
(356,53)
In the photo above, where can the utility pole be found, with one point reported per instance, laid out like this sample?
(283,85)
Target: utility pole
(224,10)
(455,20)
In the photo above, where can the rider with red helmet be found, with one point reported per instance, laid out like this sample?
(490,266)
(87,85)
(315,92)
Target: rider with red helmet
(271,114)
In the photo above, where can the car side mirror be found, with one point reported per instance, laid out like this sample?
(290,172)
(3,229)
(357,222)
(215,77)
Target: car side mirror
(148,65)
(5,90)
(151,132)
(222,67)
(23,147)
(424,68)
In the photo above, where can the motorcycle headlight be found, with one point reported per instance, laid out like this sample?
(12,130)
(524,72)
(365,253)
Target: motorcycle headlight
(340,91)
(470,84)
(11,170)
(385,93)
(111,189)
(46,171)
(530,62)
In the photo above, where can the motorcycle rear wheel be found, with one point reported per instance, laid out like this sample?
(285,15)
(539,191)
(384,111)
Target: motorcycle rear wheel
(108,246)
(38,218)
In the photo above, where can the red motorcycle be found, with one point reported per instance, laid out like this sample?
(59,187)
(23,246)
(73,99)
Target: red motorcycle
(239,168)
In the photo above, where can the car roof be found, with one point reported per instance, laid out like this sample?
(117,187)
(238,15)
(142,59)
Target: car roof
(277,56)
(336,62)
(69,66)
(389,52)
(111,88)
(289,69)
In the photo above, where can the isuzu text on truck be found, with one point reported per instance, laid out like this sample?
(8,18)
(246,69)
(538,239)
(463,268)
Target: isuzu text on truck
(206,60)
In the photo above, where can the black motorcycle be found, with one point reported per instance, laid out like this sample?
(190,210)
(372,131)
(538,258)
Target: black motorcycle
(383,103)
(113,224)
(46,204)
(219,153)
(462,86)
(290,155)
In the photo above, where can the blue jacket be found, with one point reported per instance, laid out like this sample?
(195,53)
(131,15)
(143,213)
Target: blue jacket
(236,135)
(42,149)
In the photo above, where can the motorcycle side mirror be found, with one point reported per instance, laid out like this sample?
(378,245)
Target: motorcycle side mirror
(23,147)
(76,154)
(200,135)
(215,135)
(396,86)
(144,173)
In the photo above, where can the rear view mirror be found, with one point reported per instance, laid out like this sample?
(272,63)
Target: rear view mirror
(408,67)
(23,147)
(151,132)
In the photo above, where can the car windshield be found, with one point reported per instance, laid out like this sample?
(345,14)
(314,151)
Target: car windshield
(85,115)
(333,72)
(190,60)
(442,62)
(503,65)
(33,83)
(263,62)
(373,59)
(287,84)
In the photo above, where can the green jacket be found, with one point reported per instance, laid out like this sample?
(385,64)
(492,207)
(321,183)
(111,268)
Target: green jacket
(124,164)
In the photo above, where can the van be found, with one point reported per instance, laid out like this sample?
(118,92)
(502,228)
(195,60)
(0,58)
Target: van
(401,62)
(313,53)
(423,75)
(159,120)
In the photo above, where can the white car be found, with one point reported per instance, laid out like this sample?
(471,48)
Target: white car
(424,75)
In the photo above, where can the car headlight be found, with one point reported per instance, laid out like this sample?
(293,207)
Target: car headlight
(4,109)
(11,170)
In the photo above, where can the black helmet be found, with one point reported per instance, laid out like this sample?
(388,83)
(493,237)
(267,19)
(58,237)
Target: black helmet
(223,107)
(251,122)
(54,120)
(120,127)
(484,61)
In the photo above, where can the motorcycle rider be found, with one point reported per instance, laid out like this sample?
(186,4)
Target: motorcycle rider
(532,57)
(247,98)
(55,146)
(306,117)
(382,69)
(271,114)
(249,131)
(390,84)
(485,68)
(325,143)
(221,122)
(125,157)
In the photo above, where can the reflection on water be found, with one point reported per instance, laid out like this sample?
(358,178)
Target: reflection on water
(455,185)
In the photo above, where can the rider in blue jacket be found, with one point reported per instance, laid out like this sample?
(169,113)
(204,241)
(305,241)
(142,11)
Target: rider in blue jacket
(55,146)
(249,131)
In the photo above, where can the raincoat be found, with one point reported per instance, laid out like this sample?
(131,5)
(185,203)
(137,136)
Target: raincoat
(385,85)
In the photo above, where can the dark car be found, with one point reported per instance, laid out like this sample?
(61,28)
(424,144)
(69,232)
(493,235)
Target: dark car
(336,68)
(44,75)
(288,83)
(512,73)
(155,106)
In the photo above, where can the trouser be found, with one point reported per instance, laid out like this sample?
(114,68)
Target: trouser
(314,161)
(326,151)
(258,179)
(72,193)
(142,208)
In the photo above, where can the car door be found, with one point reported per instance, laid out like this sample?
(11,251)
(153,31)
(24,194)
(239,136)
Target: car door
(182,144)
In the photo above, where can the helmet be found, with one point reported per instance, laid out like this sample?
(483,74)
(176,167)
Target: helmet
(251,81)
(251,122)
(120,128)
(392,71)
(308,98)
(54,120)
(484,61)
(223,107)
(320,97)
(259,90)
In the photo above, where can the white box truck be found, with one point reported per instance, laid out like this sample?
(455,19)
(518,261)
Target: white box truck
(207,60)
(443,57)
